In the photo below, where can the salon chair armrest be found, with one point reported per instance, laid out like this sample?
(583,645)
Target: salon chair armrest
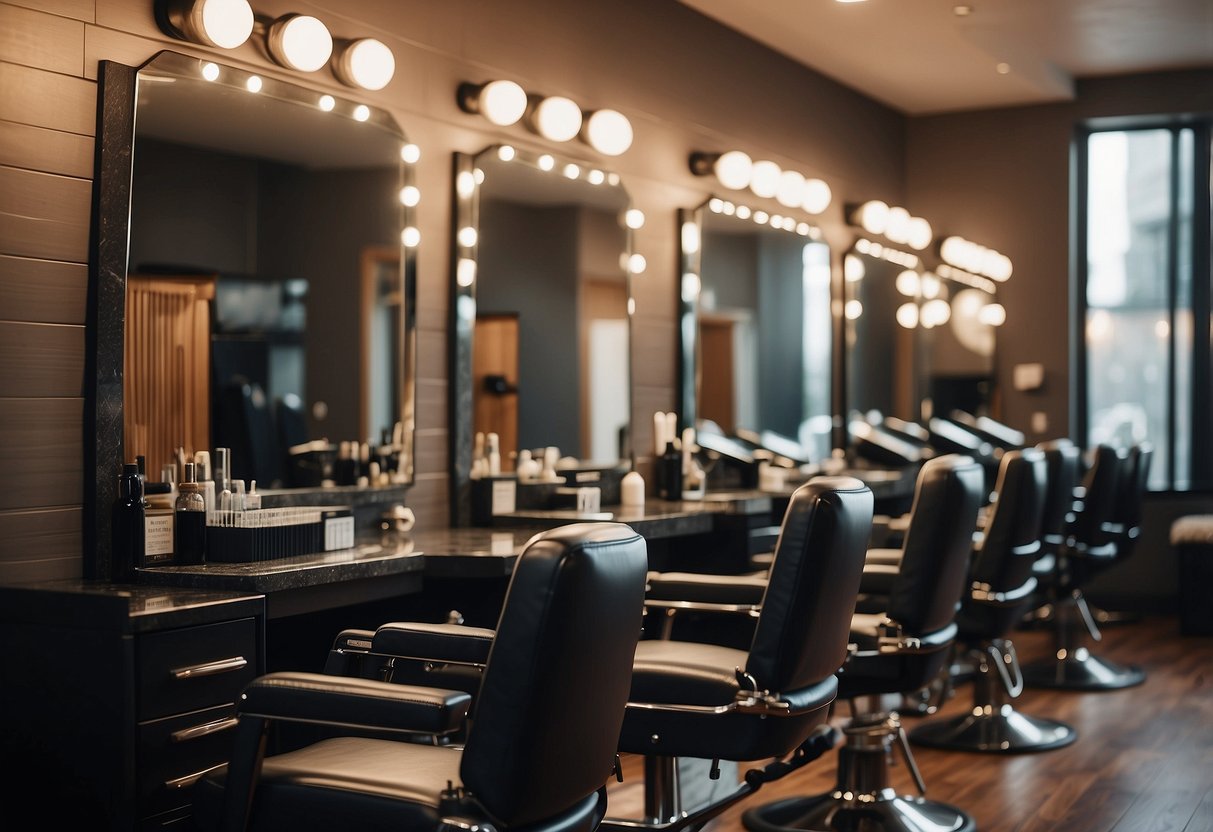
(456,643)
(363,703)
(878,579)
(682,589)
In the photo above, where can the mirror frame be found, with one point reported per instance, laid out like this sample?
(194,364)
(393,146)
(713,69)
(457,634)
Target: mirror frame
(465,214)
(690,258)
(105,322)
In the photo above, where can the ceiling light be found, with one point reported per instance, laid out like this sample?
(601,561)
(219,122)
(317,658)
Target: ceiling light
(502,102)
(608,131)
(222,23)
(366,63)
(300,42)
(557,118)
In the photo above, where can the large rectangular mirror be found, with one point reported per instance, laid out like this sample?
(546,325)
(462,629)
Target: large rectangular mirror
(756,329)
(252,288)
(542,300)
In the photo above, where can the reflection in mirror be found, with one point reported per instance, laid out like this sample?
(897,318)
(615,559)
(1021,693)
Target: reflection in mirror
(268,218)
(918,345)
(542,311)
(756,329)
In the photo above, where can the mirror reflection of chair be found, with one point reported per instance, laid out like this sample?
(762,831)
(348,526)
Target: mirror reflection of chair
(1001,587)
(1105,530)
(712,702)
(896,651)
(540,747)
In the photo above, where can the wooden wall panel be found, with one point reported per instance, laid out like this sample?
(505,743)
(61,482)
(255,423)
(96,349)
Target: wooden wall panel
(45,99)
(432,403)
(42,215)
(42,450)
(48,151)
(39,534)
(85,10)
(43,291)
(431,455)
(41,359)
(44,41)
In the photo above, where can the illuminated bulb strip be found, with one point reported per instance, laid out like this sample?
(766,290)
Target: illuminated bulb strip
(559,119)
(760,217)
(975,259)
(892,222)
(736,171)
(874,249)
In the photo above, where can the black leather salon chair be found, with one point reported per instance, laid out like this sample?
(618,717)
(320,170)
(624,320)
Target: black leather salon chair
(1105,529)
(896,651)
(1001,588)
(541,743)
(712,702)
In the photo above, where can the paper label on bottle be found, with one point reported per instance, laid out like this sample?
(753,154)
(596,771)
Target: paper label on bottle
(338,533)
(504,492)
(159,539)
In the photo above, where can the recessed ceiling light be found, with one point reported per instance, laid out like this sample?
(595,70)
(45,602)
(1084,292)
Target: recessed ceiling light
(962,10)
(1003,69)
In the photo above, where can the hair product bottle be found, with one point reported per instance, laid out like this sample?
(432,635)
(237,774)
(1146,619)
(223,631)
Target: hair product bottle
(129,532)
(189,514)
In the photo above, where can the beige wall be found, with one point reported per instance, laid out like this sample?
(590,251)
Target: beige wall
(686,83)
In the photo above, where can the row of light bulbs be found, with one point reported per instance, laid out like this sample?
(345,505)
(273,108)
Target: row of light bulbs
(892,222)
(736,171)
(559,119)
(296,41)
(974,258)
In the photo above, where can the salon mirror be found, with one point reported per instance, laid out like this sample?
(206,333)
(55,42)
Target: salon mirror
(265,297)
(756,329)
(541,312)
(917,345)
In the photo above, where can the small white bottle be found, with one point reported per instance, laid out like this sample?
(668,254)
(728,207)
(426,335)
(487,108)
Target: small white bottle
(631,490)
(493,452)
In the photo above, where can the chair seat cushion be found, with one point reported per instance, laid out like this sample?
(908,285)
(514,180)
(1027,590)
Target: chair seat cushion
(685,673)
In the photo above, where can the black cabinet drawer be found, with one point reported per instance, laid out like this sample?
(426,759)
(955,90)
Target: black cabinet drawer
(174,752)
(195,667)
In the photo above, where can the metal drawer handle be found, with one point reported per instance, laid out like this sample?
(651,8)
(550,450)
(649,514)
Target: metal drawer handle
(204,730)
(190,779)
(210,668)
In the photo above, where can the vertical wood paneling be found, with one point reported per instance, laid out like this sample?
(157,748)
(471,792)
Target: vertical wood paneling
(42,215)
(40,40)
(42,291)
(48,151)
(42,448)
(45,99)
(41,360)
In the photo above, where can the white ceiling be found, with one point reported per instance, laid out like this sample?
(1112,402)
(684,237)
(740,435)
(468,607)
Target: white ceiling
(920,57)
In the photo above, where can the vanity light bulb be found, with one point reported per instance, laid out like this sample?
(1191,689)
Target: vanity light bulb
(465,184)
(595,177)
(690,286)
(253,84)
(506,153)
(898,227)
(817,196)
(300,42)
(502,102)
(410,153)
(950,250)
(467,236)
(873,216)
(634,218)
(853,310)
(788,224)
(410,195)
(222,23)
(690,238)
(465,272)
(571,171)
(326,103)
(613,179)
(790,190)
(210,71)
(362,112)
(853,269)
(760,217)
(609,132)
(715,205)
(931,286)
(995,314)
(935,313)
(557,118)
(920,233)
(802,228)
(743,212)
(411,237)
(729,209)
(908,283)
(764,179)
(907,315)
(546,162)
(478,176)
(733,170)
(637,264)
(366,63)
(1003,272)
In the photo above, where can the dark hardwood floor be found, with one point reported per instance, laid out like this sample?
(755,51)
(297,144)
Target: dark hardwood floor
(1143,760)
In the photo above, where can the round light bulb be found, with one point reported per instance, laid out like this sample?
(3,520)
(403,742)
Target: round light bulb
(300,42)
(1004,269)
(366,63)
(907,315)
(898,227)
(465,272)
(210,71)
(327,103)
(920,233)
(733,170)
(571,171)
(637,264)
(802,228)
(506,153)
(410,153)
(935,313)
(995,314)
(223,23)
(253,84)
(853,269)
(546,162)
(931,285)
(716,205)
(743,212)
(467,236)
(817,196)
(478,176)
(764,180)
(595,177)
(410,195)
(908,283)
(634,218)
(362,112)
(609,132)
(853,310)
(691,286)
(691,237)
(950,250)
(557,118)
(874,216)
(465,184)
(790,191)
(411,237)
(502,102)
(761,217)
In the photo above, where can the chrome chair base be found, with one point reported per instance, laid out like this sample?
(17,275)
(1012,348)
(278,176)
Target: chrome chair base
(839,812)
(1079,670)
(997,731)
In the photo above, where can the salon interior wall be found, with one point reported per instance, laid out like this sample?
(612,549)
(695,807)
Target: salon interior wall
(1003,177)
(686,82)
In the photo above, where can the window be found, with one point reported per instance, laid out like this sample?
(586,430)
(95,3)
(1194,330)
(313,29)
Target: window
(1143,255)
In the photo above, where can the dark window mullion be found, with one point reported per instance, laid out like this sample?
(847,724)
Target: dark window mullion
(1172,302)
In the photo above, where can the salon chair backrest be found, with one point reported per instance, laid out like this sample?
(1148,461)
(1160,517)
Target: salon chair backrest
(1064,462)
(802,632)
(546,737)
(1012,539)
(1101,485)
(1133,486)
(938,542)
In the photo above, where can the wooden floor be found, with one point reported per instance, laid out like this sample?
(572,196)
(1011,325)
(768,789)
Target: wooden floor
(1143,760)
